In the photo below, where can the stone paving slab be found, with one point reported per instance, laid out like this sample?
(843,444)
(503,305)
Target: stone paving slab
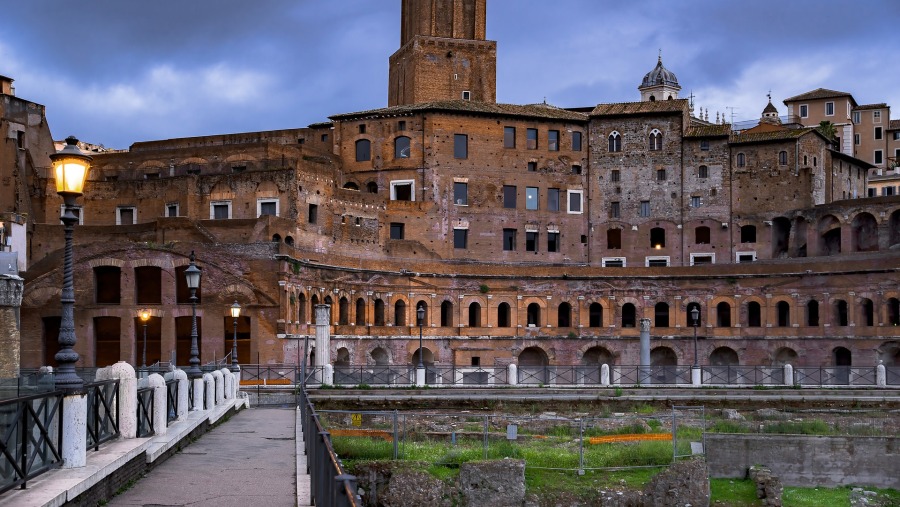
(304,492)
(248,461)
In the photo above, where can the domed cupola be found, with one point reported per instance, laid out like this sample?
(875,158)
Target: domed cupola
(659,84)
(770,114)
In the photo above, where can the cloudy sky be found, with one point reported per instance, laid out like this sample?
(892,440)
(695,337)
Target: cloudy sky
(113,72)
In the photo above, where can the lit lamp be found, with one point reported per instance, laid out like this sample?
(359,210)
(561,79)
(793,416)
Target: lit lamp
(695,317)
(70,166)
(420,318)
(192,275)
(145,318)
(235,313)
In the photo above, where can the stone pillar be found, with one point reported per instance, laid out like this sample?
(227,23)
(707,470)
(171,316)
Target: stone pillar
(160,424)
(696,376)
(420,376)
(219,384)
(328,375)
(323,336)
(645,376)
(228,377)
(183,386)
(74,431)
(880,374)
(210,386)
(512,374)
(604,374)
(127,397)
(11,287)
(788,375)
(198,387)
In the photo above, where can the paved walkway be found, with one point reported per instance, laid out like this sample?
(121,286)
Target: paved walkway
(249,460)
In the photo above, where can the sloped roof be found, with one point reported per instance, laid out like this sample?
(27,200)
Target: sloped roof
(894,125)
(819,93)
(647,107)
(708,131)
(770,136)
(545,111)
(880,105)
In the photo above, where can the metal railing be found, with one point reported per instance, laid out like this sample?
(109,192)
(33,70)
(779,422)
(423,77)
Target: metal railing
(330,485)
(144,412)
(102,412)
(30,437)
(171,401)
(835,376)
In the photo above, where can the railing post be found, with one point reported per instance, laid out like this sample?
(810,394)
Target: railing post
(127,396)
(788,375)
(209,385)
(880,374)
(218,386)
(228,388)
(160,421)
(198,387)
(512,374)
(328,375)
(182,393)
(604,374)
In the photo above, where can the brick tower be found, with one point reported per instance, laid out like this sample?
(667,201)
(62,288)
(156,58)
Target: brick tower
(443,54)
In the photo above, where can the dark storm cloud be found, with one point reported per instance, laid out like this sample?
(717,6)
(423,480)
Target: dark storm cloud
(119,71)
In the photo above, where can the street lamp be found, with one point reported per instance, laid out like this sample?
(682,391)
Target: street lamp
(695,316)
(235,313)
(145,318)
(70,167)
(192,274)
(420,318)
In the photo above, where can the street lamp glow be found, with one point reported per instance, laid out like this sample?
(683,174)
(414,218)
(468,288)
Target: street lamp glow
(235,313)
(70,166)
(235,310)
(145,315)
(192,276)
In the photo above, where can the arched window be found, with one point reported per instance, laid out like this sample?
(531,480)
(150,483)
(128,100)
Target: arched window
(301,309)
(754,314)
(446,314)
(350,185)
(615,142)
(655,140)
(400,313)
(564,315)
(661,314)
(424,306)
(812,313)
(741,160)
(628,315)
(784,314)
(893,312)
(534,315)
(372,187)
(868,312)
(841,317)
(360,312)
(276,238)
(503,317)
(595,315)
(723,314)
(363,150)
(474,315)
(289,240)
(401,147)
(343,311)
(690,315)
(379,312)
(782,157)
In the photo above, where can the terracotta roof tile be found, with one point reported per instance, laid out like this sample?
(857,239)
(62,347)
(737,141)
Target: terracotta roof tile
(708,131)
(545,111)
(818,93)
(776,135)
(894,125)
(648,107)
(880,105)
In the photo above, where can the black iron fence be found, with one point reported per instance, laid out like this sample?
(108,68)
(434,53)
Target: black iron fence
(330,486)
(30,437)
(171,401)
(102,412)
(145,405)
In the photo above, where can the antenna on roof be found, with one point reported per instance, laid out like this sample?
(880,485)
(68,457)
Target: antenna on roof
(731,108)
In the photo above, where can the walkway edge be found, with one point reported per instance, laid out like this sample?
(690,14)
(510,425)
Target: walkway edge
(304,497)
(62,485)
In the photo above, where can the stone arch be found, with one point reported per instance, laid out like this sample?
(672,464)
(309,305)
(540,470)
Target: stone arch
(785,355)
(800,248)
(812,313)
(829,234)
(866,315)
(342,357)
(752,312)
(597,355)
(267,189)
(661,317)
(504,313)
(781,235)
(532,365)
(864,233)
(221,192)
(888,354)
(842,361)
(427,356)
(894,228)
(379,313)
(360,312)
(564,315)
(400,312)
(380,356)
(426,320)
(724,356)
(595,314)
(664,363)
(343,311)
(447,313)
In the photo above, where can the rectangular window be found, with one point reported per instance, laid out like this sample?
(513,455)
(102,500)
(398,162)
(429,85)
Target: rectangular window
(396,230)
(460,238)
(553,242)
(460,146)
(531,139)
(532,167)
(576,141)
(704,145)
(887,190)
(403,190)
(313,213)
(575,201)
(509,240)
(829,109)
(461,194)
(267,207)
(615,176)
(879,157)
(804,111)
(552,199)
(324,138)
(897,135)
(698,259)
(856,117)
(695,201)
(20,139)
(615,210)
(743,257)
(878,133)
(876,116)
(362,128)
(660,175)
(220,210)
(645,208)
(531,241)
(126,216)
(401,125)
(703,172)
(509,137)
(656,261)
(576,169)
(614,262)
(531,198)
(856,139)
(172,210)
(872,192)
(509,196)
(553,140)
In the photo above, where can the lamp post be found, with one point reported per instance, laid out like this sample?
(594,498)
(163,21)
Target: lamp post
(235,313)
(145,318)
(192,274)
(420,318)
(70,167)
(695,316)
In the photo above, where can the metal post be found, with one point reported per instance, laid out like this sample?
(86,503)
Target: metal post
(193,277)
(66,357)
(144,367)
(234,360)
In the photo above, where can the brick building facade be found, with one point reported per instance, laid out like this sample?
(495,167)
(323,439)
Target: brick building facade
(530,233)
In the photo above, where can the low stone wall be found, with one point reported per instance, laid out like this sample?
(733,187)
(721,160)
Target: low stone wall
(808,461)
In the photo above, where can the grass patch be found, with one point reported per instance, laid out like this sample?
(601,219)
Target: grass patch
(734,493)
(815,497)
